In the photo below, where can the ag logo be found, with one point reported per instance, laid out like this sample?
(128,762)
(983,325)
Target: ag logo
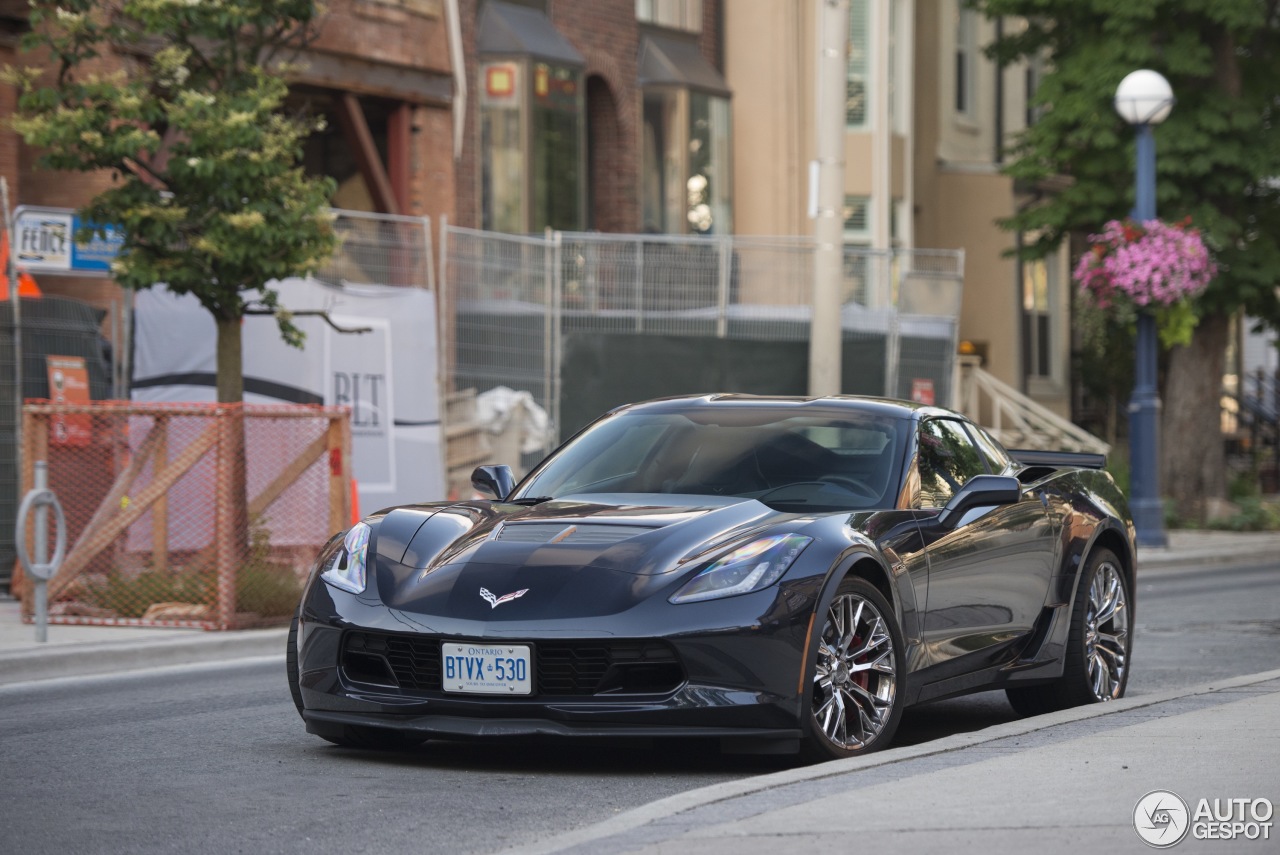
(1161,819)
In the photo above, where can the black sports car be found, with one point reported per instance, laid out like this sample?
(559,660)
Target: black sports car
(784,574)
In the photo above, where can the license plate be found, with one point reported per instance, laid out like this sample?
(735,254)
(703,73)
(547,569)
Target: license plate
(487,669)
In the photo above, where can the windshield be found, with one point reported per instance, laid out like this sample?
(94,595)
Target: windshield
(817,461)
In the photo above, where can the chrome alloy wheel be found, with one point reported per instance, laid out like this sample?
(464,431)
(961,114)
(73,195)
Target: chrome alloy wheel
(856,676)
(1106,633)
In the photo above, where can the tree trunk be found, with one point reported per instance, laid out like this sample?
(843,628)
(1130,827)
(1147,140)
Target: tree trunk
(230,361)
(1193,459)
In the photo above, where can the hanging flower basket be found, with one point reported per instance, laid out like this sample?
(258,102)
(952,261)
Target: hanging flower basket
(1151,266)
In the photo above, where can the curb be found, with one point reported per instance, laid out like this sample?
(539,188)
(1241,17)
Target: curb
(682,802)
(1173,561)
(78,660)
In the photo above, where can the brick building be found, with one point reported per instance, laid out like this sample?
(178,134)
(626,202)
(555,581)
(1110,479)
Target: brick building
(577,114)
(582,114)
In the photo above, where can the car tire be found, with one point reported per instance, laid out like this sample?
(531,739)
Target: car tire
(291,664)
(856,659)
(1096,666)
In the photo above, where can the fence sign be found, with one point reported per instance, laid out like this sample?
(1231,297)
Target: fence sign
(69,384)
(45,240)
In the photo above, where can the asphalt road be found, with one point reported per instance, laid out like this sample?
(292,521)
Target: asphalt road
(215,759)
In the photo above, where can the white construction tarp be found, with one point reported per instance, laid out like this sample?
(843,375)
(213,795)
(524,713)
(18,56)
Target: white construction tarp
(387,375)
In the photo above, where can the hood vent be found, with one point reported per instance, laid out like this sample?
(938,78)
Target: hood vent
(568,533)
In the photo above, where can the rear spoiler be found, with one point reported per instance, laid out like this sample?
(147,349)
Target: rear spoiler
(1059,459)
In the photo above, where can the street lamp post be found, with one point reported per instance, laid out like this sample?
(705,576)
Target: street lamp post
(1144,99)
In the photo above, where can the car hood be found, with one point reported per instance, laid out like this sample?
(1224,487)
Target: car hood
(566,557)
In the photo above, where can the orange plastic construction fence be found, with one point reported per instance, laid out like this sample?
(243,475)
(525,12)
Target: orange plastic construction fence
(193,515)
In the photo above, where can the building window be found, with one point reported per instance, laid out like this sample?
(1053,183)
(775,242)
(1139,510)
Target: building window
(857,236)
(1039,290)
(857,219)
(1034,72)
(685,169)
(502,164)
(966,60)
(675,14)
(857,111)
(557,160)
(531,181)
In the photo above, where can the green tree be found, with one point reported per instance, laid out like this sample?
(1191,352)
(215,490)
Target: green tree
(182,102)
(1218,159)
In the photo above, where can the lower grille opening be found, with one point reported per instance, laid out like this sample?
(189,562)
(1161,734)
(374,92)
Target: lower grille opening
(649,679)
(368,668)
(561,668)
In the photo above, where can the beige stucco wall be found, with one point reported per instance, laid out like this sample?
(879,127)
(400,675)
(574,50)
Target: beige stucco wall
(769,65)
(957,192)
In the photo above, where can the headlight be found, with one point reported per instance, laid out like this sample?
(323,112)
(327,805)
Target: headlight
(748,568)
(345,568)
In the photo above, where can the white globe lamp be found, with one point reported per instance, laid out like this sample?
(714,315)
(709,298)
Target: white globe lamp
(1144,98)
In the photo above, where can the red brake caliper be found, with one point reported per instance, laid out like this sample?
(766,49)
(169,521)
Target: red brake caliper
(862,678)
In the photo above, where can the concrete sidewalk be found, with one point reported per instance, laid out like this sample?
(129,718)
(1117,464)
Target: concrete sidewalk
(81,650)
(1057,784)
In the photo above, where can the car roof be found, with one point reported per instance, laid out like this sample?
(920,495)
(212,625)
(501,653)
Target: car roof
(888,407)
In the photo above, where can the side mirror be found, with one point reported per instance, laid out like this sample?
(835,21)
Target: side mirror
(496,481)
(978,491)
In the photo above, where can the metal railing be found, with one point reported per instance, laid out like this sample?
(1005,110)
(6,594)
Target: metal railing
(1013,418)
(537,313)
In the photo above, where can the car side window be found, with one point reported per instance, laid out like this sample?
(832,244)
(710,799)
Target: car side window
(997,458)
(946,458)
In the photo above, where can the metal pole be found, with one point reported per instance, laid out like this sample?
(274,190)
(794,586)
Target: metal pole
(444,351)
(40,589)
(11,273)
(557,341)
(640,250)
(1144,406)
(722,286)
(832,72)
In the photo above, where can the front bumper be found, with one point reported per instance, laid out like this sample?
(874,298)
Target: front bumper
(739,662)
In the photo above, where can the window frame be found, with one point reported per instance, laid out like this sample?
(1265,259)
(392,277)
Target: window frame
(673,199)
(683,15)
(859,68)
(965,67)
(533,210)
(926,499)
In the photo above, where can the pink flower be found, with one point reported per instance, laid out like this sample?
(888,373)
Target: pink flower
(1150,264)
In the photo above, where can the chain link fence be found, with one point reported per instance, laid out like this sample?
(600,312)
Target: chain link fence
(381,249)
(187,515)
(586,321)
(54,332)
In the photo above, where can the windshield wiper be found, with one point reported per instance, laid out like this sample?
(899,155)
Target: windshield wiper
(531,500)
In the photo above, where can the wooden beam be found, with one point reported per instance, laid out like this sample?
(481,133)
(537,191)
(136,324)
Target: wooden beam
(358,137)
(399,154)
(111,526)
(290,474)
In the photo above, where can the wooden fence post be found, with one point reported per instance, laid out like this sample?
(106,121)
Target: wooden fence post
(160,510)
(224,496)
(339,445)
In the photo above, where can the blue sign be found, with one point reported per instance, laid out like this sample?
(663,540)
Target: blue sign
(99,251)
